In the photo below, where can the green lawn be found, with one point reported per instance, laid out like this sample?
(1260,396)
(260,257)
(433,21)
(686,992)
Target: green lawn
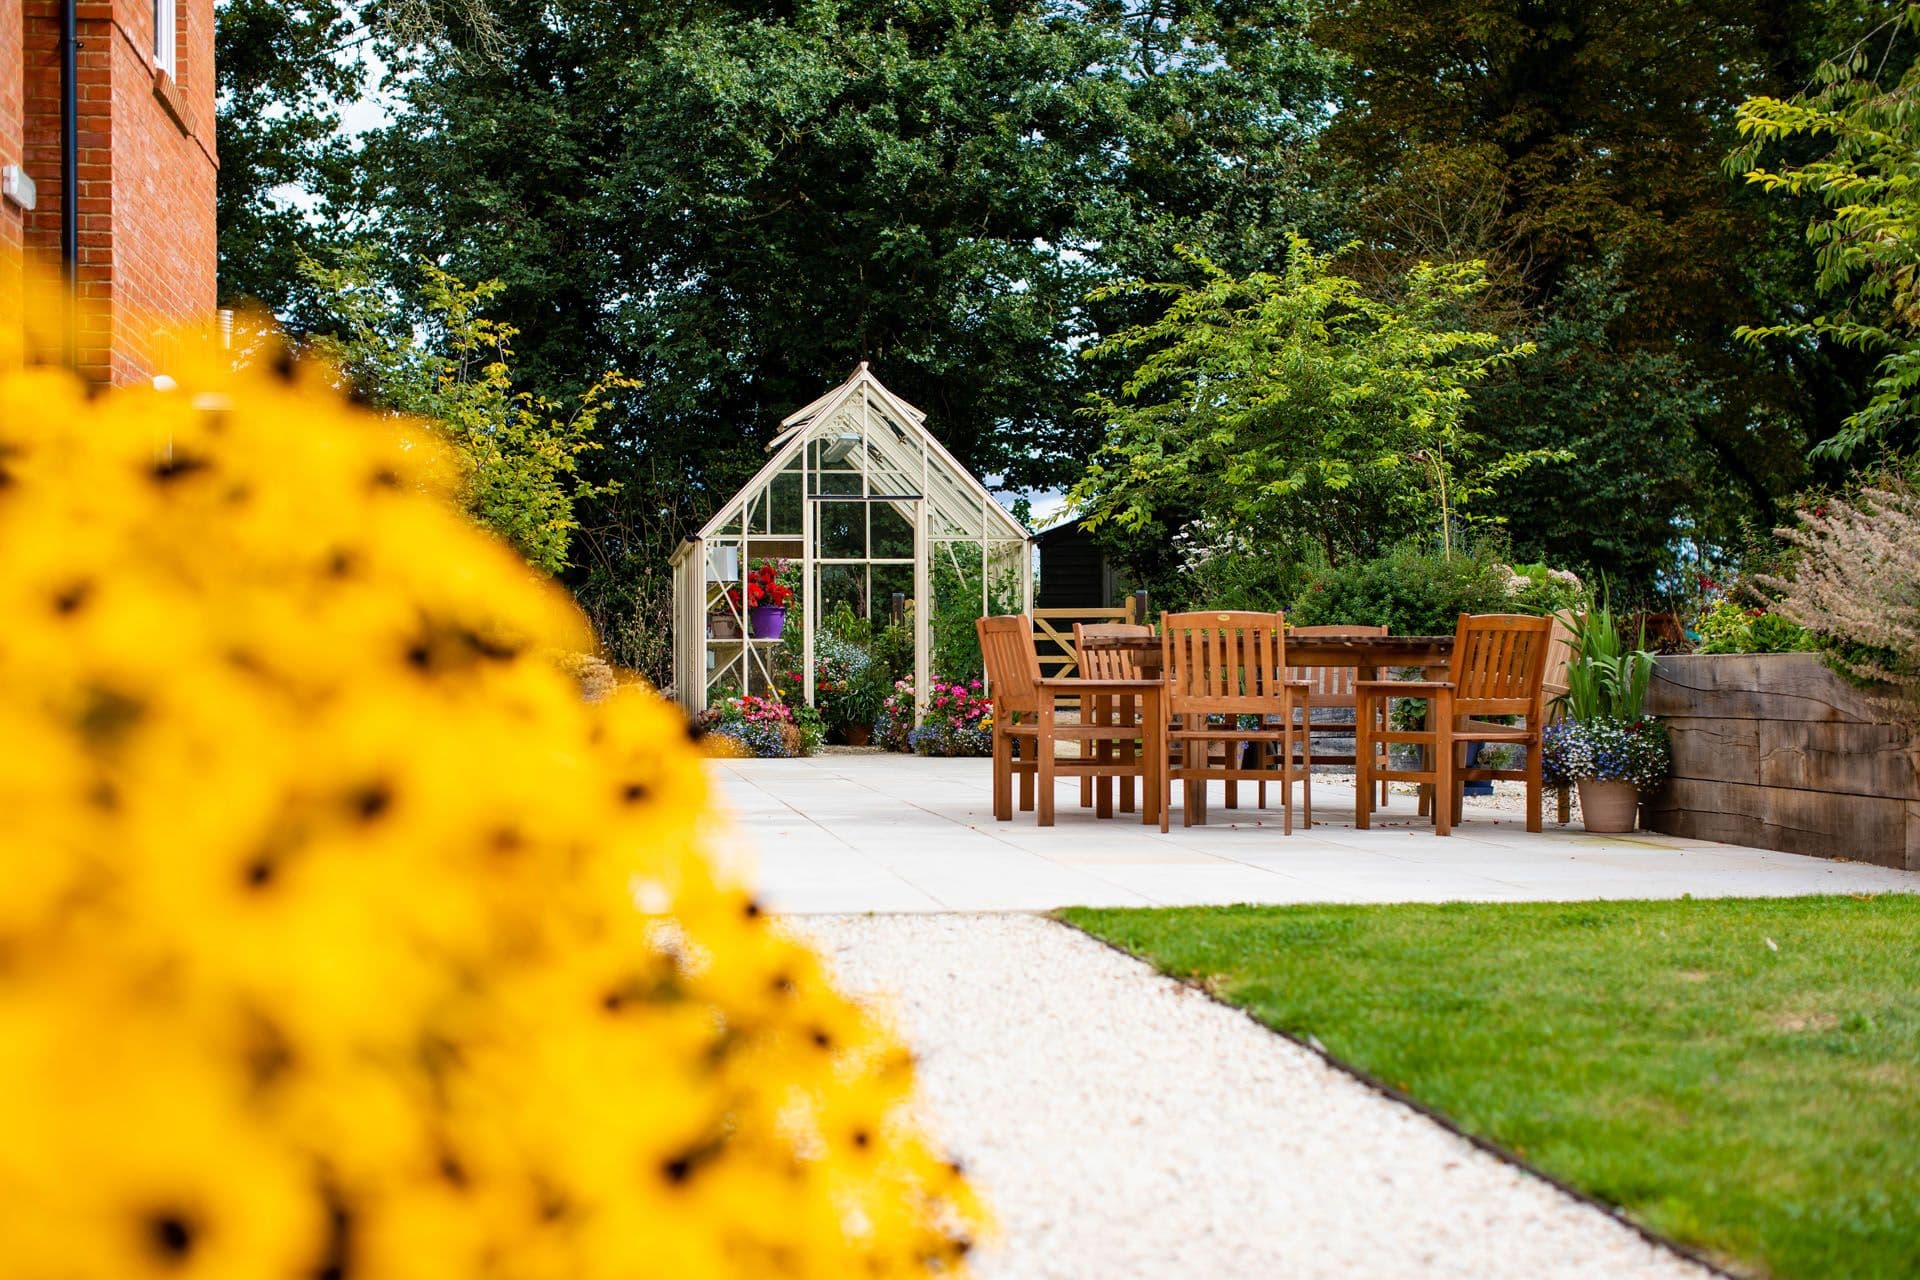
(1742,1076)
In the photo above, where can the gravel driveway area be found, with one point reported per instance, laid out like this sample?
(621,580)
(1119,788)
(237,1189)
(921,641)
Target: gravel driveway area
(1124,1127)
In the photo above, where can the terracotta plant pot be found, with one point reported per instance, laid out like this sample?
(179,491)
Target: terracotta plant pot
(1609,806)
(723,626)
(859,735)
(767,621)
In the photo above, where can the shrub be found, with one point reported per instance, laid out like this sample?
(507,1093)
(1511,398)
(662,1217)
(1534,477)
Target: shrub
(1856,587)
(1725,627)
(321,946)
(1610,749)
(1408,591)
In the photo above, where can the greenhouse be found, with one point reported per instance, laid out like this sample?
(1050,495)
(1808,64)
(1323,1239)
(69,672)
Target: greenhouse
(859,507)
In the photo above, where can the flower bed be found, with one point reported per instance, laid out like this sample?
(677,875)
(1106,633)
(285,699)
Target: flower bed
(764,727)
(958,722)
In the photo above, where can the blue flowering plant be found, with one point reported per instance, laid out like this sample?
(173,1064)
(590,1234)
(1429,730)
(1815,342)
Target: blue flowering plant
(1607,749)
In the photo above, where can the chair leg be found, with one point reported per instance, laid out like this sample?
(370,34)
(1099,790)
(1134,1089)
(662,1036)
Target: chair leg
(1460,785)
(1306,775)
(1026,751)
(1286,778)
(1086,791)
(1563,804)
(1534,786)
(1002,775)
(1044,763)
(1440,711)
(1363,762)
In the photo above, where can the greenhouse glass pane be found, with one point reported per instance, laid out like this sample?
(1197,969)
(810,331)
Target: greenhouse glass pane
(840,529)
(785,498)
(892,531)
(844,483)
(887,579)
(843,584)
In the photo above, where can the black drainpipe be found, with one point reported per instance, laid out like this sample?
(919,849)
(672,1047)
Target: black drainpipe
(70,171)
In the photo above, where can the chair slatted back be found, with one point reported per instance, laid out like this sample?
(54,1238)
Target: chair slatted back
(1108,664)
(1224,663)
(1012,661)
(1500,664)
(1331,686)
(1560,651)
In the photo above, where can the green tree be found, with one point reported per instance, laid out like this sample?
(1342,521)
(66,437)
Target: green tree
(519,452)
(1866,234)
(1293,411)
(1557,139)
(284,68)
(1632,484)
(735,202)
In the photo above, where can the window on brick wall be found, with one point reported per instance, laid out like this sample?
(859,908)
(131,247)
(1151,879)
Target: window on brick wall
(164,22)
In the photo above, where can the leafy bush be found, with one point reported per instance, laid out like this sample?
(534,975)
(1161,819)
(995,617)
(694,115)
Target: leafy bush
(342,935)
(1725,627)
(1408,591)
(1608,749)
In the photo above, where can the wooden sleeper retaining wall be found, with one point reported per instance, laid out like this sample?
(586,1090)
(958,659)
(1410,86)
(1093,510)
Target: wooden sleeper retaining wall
(1775,750)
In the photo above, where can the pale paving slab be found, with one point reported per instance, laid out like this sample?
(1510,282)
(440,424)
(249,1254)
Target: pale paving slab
(1124,1126)
(857,833)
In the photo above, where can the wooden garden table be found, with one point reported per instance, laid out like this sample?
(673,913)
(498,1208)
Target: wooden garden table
(1368,655)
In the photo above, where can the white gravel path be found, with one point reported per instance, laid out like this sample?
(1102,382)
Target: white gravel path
(1127,1128)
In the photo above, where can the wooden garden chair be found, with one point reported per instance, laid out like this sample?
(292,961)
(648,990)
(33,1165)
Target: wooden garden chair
(1229,665)
(1498,669)
(1097,663)
(1026,727)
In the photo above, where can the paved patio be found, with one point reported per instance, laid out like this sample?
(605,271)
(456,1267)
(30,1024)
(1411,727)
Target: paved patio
(859,833)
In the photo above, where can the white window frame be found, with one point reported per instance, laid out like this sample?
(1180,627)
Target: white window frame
(166,25)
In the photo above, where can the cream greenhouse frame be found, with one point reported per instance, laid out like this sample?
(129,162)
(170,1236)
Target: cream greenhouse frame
(867,503)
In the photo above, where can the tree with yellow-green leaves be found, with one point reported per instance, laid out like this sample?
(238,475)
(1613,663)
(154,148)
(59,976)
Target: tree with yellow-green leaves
(341,936)
(445,361)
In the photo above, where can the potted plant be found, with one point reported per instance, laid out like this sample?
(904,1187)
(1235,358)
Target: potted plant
(767,600)
(1604,742)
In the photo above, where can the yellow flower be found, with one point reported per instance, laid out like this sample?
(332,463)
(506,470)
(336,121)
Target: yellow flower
(340,930)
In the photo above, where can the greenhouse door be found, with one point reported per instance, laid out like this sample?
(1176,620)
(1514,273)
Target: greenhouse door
(865,554)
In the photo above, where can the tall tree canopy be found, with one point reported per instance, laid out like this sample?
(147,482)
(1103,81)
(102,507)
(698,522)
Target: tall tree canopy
(1569,141)
(734,202)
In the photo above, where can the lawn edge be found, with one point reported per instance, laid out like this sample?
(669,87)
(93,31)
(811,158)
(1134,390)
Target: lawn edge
(1405,1099)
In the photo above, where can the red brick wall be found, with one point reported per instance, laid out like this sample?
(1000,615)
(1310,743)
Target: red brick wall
(13,70)
(147,166)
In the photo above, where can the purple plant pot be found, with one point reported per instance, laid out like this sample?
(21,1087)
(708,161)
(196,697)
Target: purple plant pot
(766,621)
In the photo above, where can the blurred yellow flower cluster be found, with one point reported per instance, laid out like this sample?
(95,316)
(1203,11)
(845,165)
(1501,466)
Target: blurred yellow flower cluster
(340,936)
